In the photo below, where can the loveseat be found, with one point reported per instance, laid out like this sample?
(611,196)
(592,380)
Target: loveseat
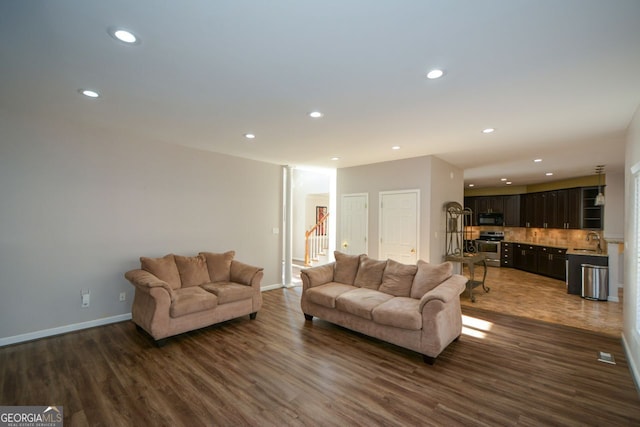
(412,306)
(176,294)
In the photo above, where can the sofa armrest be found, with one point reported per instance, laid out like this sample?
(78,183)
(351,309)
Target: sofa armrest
(446,291)
(245,274)
(316,276)
(146,281)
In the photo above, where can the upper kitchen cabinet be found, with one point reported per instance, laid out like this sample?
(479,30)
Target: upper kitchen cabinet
(568,208)
(511,210)
(489,204)
(552,209)
(591,214)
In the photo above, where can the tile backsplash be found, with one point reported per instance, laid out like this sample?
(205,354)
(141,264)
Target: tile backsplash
(545,236)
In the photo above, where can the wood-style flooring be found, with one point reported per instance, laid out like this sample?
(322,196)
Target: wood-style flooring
(279,370)
(523,294)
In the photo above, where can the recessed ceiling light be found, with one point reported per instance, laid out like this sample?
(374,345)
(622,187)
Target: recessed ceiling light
(472,185)
(503,179)
(315,114)
(508,183)
(123,35)
(249,136)
(537,160)
(435,74)
(395,147)
(549,174)
(488,130)
(89,93)
(335,158)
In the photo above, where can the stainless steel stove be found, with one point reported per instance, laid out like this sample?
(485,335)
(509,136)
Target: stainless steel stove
(489,244)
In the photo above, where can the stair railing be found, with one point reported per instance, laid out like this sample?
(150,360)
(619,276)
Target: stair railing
(316,241)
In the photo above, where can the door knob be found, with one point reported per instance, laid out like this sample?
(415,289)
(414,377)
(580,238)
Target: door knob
(413,251)
(345,244)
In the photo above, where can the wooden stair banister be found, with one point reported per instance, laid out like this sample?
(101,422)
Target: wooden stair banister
(312,234)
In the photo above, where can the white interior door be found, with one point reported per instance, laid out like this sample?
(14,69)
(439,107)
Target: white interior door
(354,223)
(399,228)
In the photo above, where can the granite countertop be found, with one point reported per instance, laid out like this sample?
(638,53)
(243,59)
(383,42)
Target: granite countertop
(586,251)
(570,251)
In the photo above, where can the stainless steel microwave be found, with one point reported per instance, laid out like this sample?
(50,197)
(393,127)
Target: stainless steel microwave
(493,218)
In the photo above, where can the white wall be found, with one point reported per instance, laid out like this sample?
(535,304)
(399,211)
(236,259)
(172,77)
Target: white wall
(80,206)
(630,309)
(428,174)
(614,206)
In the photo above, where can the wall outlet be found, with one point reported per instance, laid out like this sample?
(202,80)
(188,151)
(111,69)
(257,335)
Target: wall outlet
(123,296)
(85,298)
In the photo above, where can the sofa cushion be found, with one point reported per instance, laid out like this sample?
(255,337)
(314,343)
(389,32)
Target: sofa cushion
(229,292)
(369,273)
(325,295)
(361,301)
(163,268)
(346,268)
(219,265)
(399,312)
(193,270)
(429,276)
(398,278)
(191,300)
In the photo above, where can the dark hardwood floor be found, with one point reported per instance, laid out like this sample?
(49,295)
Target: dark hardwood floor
(280,370)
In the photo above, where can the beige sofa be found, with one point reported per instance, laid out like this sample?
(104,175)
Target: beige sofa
(412,306)
(176,294)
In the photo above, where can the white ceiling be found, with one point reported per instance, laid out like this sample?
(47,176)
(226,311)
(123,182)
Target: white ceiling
(558,79)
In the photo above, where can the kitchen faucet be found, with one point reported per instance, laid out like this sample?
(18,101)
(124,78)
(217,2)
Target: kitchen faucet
(596,237)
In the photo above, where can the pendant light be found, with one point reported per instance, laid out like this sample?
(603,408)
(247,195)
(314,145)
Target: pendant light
(600,196)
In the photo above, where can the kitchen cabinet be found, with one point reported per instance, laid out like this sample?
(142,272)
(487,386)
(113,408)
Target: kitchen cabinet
(552,209)
(490,204)
(525,258)
(508,205)
(511,205)
(544,260)
(591,214)
(552,262)
(506,254)
(533,210)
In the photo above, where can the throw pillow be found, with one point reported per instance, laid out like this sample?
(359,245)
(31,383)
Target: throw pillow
(193,270)
(429,276)
(398,278)
(346,268)
(369,273)
(163,268)
(219,265)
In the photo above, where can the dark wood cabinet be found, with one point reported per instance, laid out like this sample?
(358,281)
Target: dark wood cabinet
(558,209)
(591,214)
(532,210)
(544,260)
(546,209)
(511,210)
(506,254)
(525,258)
(490,204)
(552,262)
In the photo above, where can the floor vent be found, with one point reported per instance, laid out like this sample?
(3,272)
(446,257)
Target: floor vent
(606,358)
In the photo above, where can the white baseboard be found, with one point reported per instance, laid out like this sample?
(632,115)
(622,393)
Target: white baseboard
(632,366)
(84,325)
(271,287)
(63,329)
